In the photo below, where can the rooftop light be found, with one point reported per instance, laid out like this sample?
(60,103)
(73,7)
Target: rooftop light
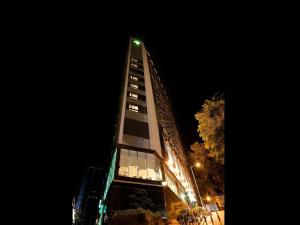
(137,42)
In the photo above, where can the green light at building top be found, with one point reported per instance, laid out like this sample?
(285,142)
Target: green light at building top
(137,42)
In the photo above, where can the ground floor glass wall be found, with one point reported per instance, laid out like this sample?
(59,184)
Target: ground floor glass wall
(139,165)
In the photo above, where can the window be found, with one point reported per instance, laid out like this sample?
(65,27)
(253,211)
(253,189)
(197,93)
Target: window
(136,60)
(133,78)
(171,184)
(136,71)
(135,65)
(134,86)
(142,169)
(134,108)
(132,95)
(124,163)
(153,167)
(139,165)
(132,163)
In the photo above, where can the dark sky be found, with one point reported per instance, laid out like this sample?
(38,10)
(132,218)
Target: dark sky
(189,67)
(66,80)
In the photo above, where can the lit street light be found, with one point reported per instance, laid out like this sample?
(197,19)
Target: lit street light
(209,199)
(198,165)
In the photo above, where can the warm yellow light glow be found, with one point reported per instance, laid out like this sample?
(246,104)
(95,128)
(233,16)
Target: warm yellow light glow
(198,164)
(208,198)
(164,183)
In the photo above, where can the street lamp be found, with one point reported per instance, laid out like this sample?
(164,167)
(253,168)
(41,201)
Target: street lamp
(208,198)
(198,165)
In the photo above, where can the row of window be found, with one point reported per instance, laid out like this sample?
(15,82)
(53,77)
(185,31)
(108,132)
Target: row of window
(136,60)
(135,86)
(136,108)
(136,96)
(136,71)
(136,65)
(139,165)
(132,77)
(171,184)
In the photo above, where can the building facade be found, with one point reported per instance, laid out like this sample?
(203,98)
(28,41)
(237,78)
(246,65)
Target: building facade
(148,154)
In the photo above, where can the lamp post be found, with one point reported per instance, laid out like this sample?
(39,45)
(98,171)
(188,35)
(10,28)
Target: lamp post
(209,199)
(198,165)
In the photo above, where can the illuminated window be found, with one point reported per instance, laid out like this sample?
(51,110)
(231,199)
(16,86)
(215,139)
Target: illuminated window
(124,163)
(171,184)
(134,86)
(139,165)
(134,108)
(153,168)
(133,78)
(133,64)
(132,164)
(135,60)
(142,169)
(132,95)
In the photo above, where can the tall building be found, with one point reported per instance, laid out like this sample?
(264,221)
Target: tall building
(148,154)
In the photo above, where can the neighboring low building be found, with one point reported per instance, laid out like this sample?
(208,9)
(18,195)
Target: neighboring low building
(85,208)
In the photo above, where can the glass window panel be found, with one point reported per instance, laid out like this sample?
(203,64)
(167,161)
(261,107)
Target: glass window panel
(133,77)
(134,86)
(171,184)
(151,167)
(132,95)
(134,108)
(157,169)
(132,163)
(124,163)
(142,170)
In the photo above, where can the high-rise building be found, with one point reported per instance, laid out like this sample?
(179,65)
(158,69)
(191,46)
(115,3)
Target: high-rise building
(148,154)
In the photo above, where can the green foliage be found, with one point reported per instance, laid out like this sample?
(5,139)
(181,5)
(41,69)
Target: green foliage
(210,176)
(211,127)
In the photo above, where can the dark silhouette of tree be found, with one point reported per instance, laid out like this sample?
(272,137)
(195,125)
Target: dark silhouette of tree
(139,199)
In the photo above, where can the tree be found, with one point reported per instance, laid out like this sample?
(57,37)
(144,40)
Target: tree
(210,176)
(139,199)
(211,127)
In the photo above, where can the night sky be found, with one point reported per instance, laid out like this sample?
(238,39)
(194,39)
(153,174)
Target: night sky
(188,65)
(66,83)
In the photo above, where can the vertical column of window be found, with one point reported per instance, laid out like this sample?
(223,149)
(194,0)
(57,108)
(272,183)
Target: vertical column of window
(142,169)
(158,169)
(171,184)
(132,163)
(151,167)
(124,163)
